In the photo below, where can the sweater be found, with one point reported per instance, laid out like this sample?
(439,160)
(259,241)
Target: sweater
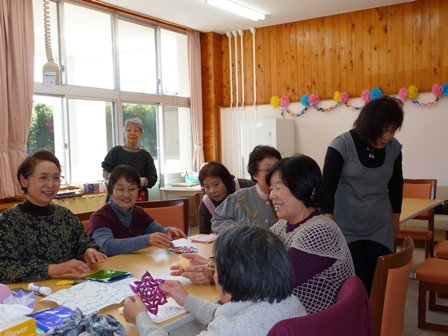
(29,243)
(233,318)
(245,206)
(320,238)
(141,160)
(205,212)
(114,237)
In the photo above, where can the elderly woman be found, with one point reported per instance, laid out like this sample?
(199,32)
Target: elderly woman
(39,239)
(131,154)
(254,284)
(317,248)
(250,205)
(217,183)
(122,227)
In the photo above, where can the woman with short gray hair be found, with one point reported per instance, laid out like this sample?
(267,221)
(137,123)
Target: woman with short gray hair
(133,155)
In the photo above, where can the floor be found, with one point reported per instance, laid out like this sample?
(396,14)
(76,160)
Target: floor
(410,323)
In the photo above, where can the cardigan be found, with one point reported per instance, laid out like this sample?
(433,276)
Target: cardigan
(245,206)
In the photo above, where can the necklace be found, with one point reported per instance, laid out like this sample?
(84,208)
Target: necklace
(371,152)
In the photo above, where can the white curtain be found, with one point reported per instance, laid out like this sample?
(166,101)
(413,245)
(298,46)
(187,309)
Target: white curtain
(194,68)
(16,89)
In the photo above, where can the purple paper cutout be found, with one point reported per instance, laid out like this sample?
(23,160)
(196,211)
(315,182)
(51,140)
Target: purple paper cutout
(150,292)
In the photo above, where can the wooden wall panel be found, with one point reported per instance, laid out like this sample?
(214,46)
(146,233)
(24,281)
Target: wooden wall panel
(387,47)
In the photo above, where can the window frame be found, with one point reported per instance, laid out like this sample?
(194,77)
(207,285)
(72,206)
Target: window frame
(115,96)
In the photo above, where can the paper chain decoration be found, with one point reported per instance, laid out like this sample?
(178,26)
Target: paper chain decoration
(342,99)
(150,292)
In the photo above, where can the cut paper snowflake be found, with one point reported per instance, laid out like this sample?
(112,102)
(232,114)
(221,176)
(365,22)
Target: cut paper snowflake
(150,292)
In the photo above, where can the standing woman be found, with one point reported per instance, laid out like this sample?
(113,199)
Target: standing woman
(131,154)
(363,173)
(217,183)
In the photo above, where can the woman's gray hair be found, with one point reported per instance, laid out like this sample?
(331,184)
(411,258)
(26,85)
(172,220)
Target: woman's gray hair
(134,121)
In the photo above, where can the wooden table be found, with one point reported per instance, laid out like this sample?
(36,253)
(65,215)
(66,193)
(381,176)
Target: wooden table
(180,191)
(412,207)
(157,262)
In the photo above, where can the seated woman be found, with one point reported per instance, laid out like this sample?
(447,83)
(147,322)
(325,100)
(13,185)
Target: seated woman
(120,226)
(217,184)
(317,248)
(250,205)
(39,239)
(254,284)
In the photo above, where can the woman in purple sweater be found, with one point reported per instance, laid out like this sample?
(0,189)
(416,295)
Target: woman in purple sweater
(120,226)
(317,248)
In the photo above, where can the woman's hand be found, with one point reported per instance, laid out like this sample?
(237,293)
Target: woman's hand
(92,256)
(197,273)
(178,233)
(73,266)
(174,289)
(159,239)
(133,305)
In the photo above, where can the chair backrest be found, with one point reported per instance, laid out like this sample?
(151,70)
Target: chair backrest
(421,188)
(349,316)
(198,199)
(172,212)
(389,287)
(84,217)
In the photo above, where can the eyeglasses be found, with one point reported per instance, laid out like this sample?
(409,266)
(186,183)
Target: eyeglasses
(211,267)
(122,191)
(133,130)
(48,179)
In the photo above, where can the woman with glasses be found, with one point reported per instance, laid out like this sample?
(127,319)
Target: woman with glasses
(254,278)
(217,183)
(132,154)
(250,205)
(317,248)
(120,226)
(39,239)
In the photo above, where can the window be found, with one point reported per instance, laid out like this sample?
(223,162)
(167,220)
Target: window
(88,47)
(174,64)
(137,58)
(113,67)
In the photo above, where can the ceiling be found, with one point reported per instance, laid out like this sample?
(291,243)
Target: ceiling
(199,15)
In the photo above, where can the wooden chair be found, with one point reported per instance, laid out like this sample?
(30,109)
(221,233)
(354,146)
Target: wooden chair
(172,212)
(420,188)
(198,199)
(389,287)
(84,217)
(349,316)
(432,276)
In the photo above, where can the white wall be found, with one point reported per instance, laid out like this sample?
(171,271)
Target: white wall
(424,134)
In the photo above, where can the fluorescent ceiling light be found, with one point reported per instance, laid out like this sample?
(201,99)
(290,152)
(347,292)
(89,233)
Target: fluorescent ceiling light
(238,9)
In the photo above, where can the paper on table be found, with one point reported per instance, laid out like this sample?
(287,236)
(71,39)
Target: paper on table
(204,239)
(167,311)
(91,296)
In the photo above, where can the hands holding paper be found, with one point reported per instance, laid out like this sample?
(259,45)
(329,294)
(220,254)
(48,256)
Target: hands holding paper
(161,240)
(133,305)
(197,273)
